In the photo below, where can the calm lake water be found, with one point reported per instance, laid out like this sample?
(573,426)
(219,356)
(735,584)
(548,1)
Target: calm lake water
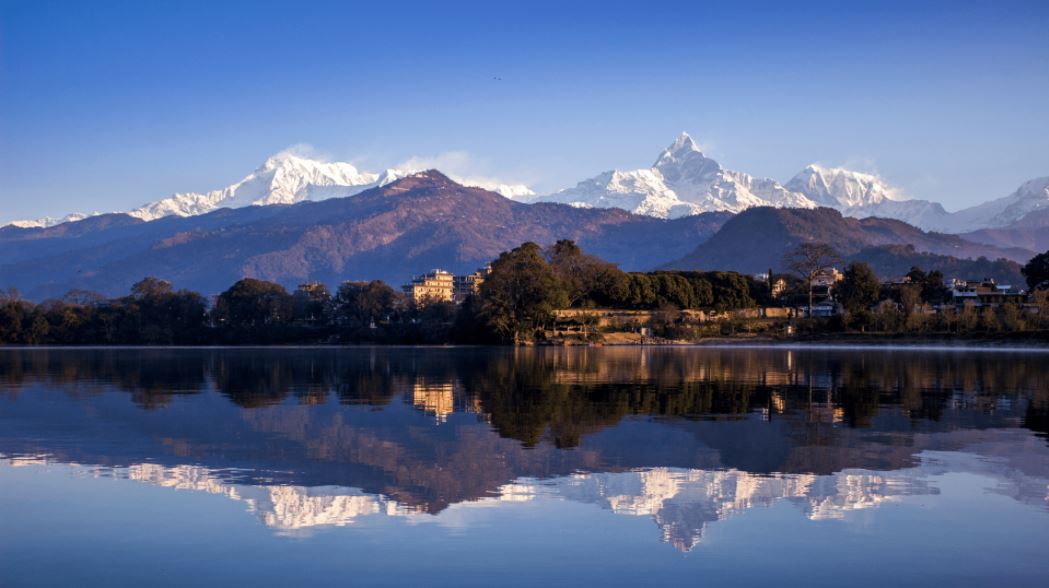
(618,466)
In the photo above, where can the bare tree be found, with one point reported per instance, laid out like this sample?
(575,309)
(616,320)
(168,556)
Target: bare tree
(808,261)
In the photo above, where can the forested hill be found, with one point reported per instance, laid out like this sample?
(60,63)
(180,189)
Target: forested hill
(758,238)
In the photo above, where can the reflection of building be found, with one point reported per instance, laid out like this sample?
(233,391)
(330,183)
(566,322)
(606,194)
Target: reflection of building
(437,399)
(436,286)
(442,398)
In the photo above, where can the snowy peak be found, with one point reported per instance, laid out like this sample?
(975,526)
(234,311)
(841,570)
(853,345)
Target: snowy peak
(50,221)
(683,148)
(286,178)
(682,181)
(1032,195)
(841,188)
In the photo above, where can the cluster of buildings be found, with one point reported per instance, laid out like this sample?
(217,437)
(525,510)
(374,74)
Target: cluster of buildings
(441,286)
(978,293)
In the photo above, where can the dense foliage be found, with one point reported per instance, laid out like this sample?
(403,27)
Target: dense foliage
(516,303)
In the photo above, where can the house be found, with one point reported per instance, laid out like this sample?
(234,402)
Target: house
(823,283)
(985,292)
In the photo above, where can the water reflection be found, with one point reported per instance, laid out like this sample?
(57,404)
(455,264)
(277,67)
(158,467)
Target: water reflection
(307,439)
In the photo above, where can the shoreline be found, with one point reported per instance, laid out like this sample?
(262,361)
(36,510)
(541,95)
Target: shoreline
(845,343)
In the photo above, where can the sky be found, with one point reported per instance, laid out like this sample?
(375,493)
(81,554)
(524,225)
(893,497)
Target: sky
(108,105)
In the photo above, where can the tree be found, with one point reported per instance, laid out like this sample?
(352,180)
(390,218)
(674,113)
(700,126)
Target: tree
(860,289)
(253,303)
(583,277)
(520,293)
(361,304)
(730,290)
(1036,271)
(932,288)
(808,261)
(312,303)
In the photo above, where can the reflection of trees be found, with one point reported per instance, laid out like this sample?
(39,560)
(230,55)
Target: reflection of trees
(759,411)
(151,377)
(565,394)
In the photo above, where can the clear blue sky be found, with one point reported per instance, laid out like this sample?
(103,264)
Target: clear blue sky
(107,105)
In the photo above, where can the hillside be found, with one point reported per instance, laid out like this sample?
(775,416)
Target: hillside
(757,239)
(391,232)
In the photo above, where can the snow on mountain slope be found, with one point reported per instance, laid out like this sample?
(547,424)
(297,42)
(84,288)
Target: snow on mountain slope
(681,182)
(863,195)
(1031,196)
(285,178)
(841,188)
(49,221)
(282,179)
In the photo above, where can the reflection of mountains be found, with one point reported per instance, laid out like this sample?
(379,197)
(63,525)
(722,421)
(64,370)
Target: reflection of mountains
(681,502)
(428,428)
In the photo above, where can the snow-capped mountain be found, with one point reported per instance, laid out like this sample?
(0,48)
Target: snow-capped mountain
(863,195)
(49,221)
(681,182)
(285,178)
(684,181)
(1031,196)
(841,188)
(282,179)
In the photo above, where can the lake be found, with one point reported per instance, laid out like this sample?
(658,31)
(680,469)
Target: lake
(502,466)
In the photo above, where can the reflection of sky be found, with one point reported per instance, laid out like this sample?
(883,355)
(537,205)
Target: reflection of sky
(681,502)
(284,466)
(979,509)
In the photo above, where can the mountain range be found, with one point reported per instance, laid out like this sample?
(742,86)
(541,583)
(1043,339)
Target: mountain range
(682,182)
(285,178)
(389,232)
(427,220)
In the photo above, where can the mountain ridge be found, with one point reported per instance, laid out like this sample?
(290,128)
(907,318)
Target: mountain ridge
(390,232)
(759,238)
(682,181)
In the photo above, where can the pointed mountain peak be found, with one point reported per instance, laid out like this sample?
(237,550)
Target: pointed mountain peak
(682,150)
(683,142)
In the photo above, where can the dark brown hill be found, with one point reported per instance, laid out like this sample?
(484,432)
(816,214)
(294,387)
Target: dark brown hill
(390,233)
(758,238)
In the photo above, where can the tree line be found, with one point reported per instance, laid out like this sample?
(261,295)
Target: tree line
(514,304)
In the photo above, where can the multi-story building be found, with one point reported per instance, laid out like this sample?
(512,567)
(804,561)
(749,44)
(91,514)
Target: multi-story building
(470,283)
(435,286)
